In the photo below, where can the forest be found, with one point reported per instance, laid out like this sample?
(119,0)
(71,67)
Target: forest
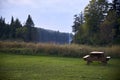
(99,24)
(15,31)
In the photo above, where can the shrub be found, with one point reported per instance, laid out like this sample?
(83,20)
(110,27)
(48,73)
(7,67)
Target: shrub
(72,50)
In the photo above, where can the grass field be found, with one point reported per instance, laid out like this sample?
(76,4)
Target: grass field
(29,67)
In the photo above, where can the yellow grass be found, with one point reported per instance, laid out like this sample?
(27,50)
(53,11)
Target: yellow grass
(72,50)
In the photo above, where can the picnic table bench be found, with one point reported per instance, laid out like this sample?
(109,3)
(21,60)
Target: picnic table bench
(96,56)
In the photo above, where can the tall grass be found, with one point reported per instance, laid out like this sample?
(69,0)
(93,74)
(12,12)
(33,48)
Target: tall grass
(72,50)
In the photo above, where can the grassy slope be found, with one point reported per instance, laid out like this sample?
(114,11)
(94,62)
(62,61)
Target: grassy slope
(28,67)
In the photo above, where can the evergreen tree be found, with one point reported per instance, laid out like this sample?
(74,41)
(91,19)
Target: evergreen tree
(30,25)
(18,27)
(12,21)
(12,29)
(29,22)
(2,26)
(17,23)
(4,29)
(78,21)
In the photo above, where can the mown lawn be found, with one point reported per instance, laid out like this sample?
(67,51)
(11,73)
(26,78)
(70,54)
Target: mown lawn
(29,67)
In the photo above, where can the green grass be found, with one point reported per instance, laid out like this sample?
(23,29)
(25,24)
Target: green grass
(29,67)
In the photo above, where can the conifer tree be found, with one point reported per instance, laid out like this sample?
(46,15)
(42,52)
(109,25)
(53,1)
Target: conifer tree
(30,26)
(29,22)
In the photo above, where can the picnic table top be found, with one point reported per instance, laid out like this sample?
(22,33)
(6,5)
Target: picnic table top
(96,52)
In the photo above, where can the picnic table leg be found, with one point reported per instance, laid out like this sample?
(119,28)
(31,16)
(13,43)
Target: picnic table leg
(88,62)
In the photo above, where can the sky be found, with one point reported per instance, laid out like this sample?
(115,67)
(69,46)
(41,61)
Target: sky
(55,15)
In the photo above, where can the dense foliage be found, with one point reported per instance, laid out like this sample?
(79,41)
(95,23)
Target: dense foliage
(100,23)
(15,31)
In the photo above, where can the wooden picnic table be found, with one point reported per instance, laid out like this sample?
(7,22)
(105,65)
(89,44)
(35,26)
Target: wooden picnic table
(96,56)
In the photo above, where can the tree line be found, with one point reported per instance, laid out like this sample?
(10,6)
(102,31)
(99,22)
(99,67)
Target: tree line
(15,31)
(51,36)
(99,24)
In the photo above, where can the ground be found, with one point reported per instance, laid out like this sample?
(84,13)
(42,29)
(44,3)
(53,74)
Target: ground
(30,67)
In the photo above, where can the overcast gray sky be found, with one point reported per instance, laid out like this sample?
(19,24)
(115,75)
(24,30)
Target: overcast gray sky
(48,14)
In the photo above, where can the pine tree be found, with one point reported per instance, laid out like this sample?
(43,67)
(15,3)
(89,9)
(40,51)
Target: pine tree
(17,23)
(30,25)
(29,22)
(12,28)
(2,24)
(78,21)
(12,21)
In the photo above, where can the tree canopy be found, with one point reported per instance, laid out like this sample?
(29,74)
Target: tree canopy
(101,23)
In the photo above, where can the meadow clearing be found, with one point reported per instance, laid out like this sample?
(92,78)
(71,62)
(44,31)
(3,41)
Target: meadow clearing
(32,67)
(38,61)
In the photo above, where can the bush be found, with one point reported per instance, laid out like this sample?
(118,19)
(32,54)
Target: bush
(72,50)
